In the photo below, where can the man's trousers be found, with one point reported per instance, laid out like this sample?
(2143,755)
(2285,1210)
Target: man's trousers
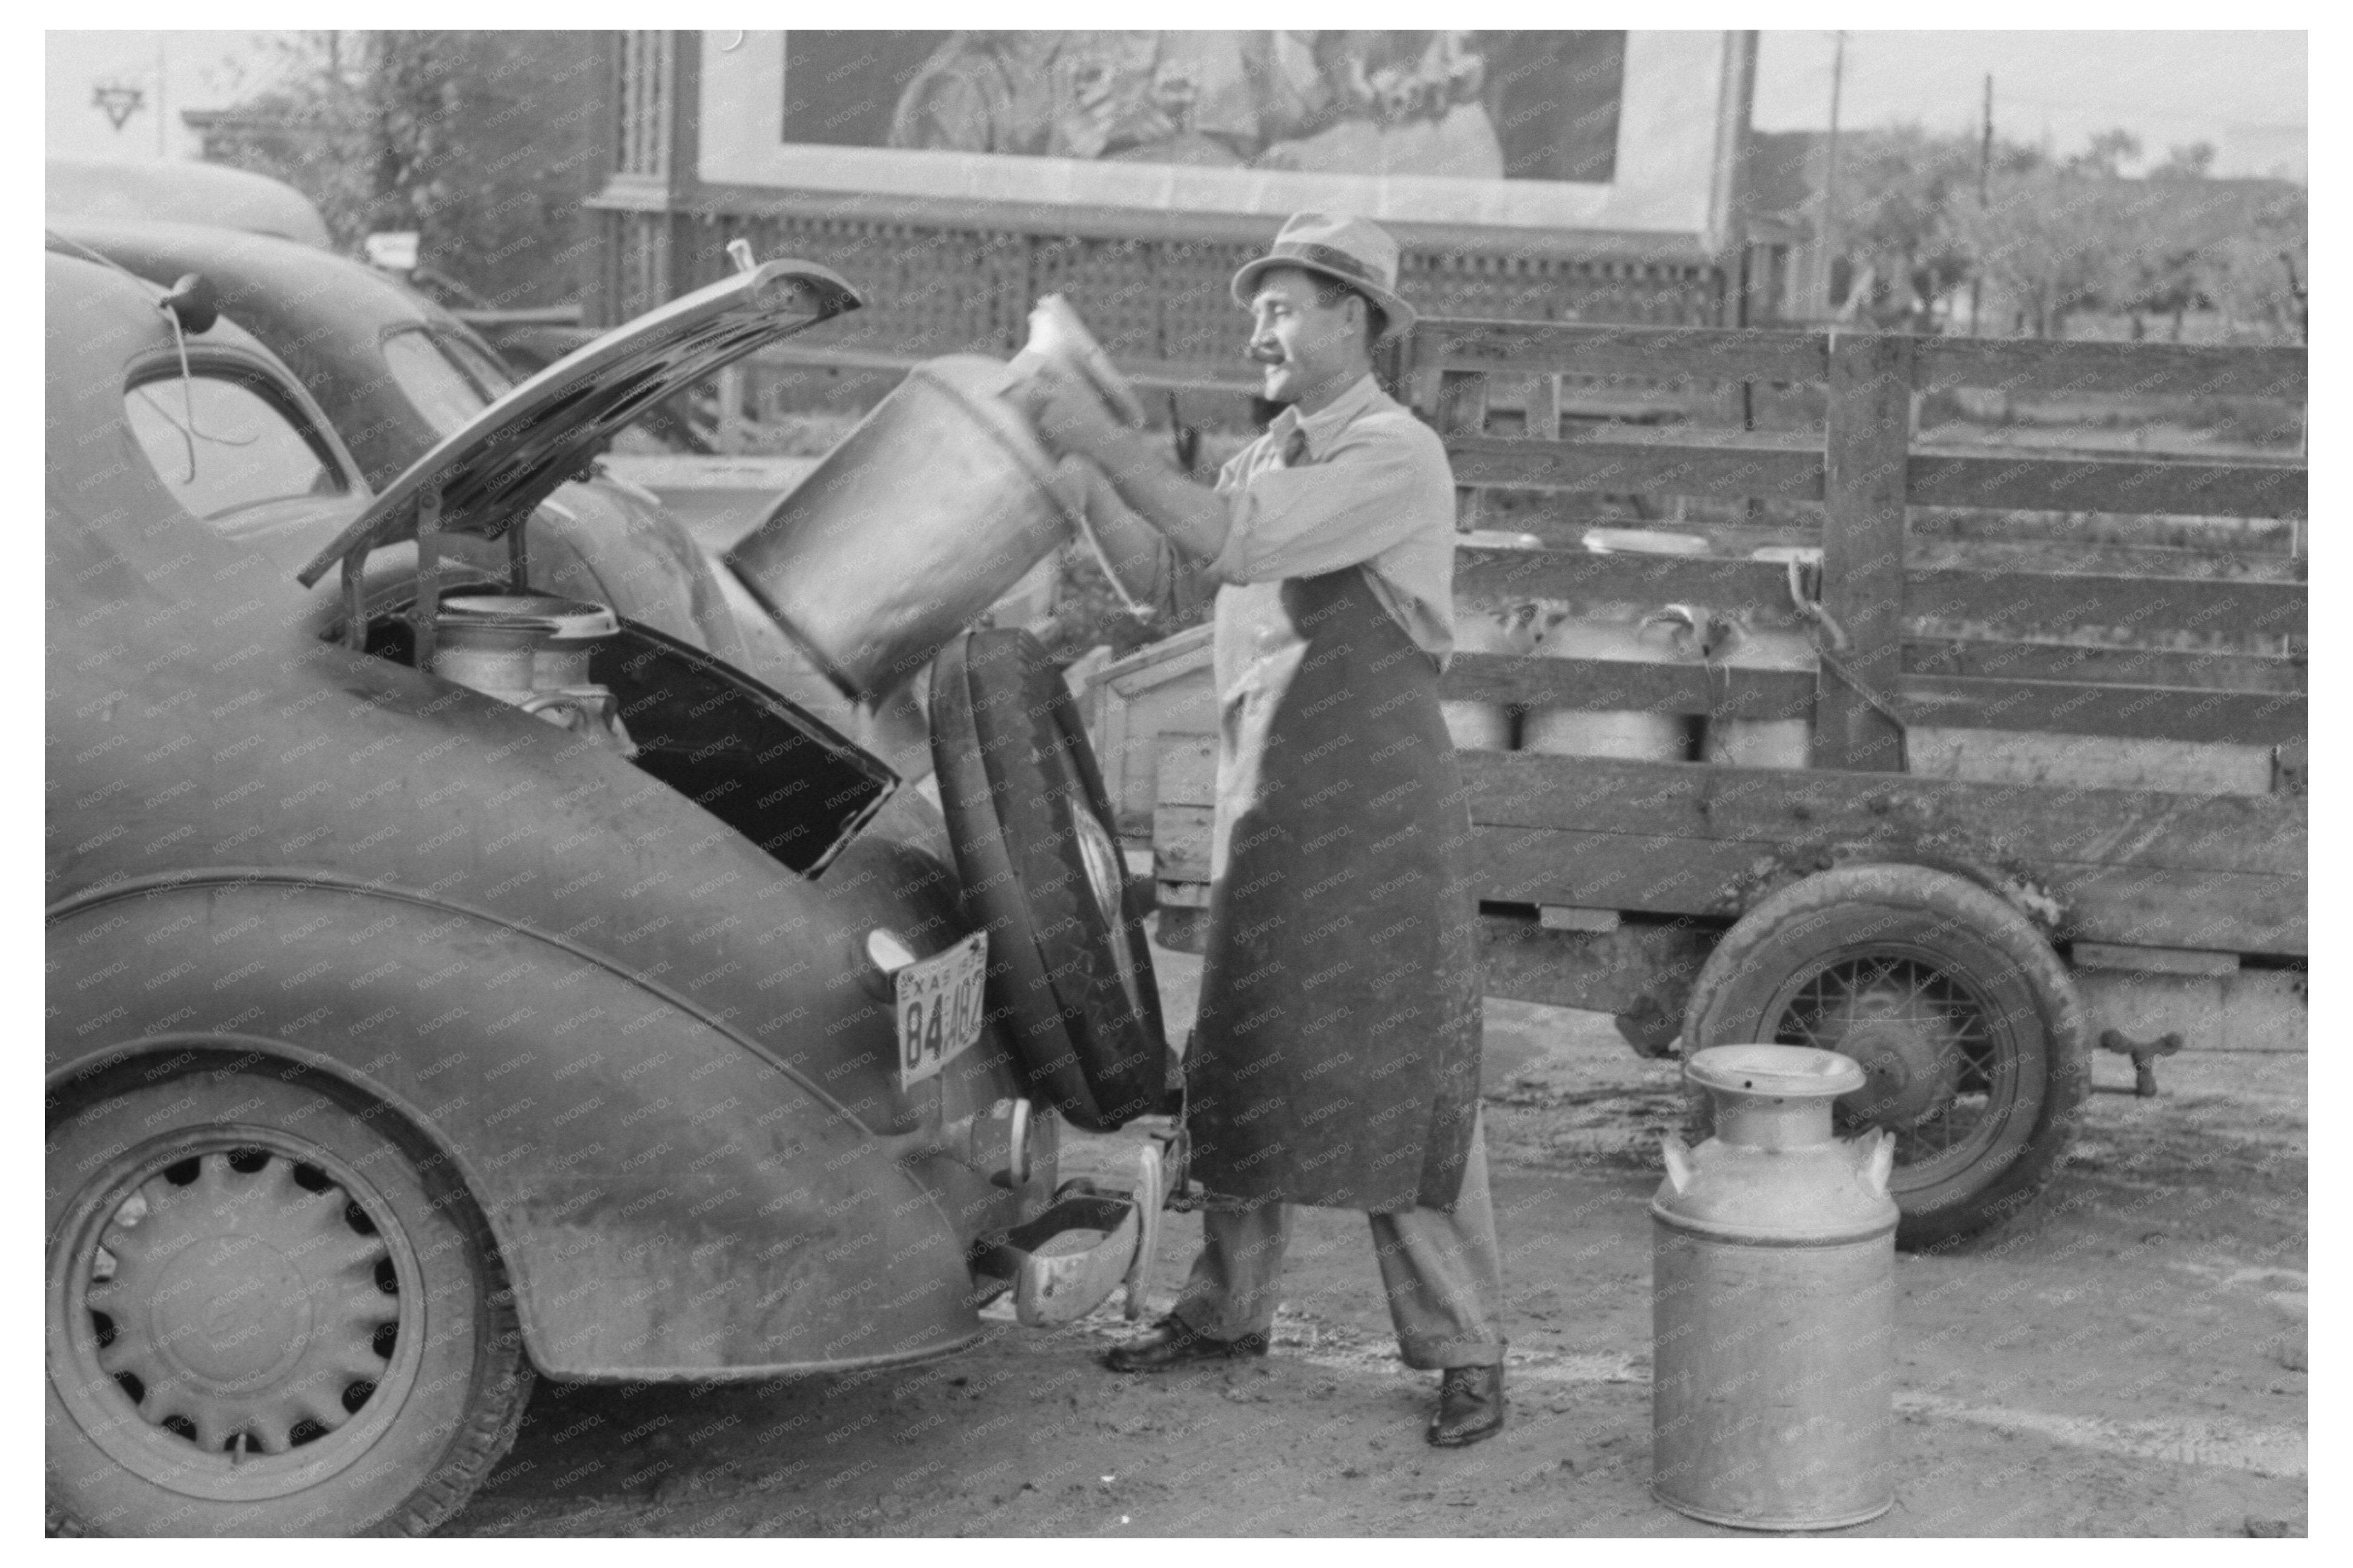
(1440,1267)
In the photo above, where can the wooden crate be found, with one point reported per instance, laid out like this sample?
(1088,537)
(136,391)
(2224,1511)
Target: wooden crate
(1135,706)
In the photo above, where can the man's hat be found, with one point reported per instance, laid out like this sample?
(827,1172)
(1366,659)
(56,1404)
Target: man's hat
(1347,250)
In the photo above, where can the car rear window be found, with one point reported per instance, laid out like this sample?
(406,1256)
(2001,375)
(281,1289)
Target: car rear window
(244,447)
(442,378)
(488,373)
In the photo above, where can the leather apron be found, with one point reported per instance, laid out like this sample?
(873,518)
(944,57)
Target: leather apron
(1336,1062)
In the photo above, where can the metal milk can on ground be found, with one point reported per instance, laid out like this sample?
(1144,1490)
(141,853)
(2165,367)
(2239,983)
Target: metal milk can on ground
(1773,1290)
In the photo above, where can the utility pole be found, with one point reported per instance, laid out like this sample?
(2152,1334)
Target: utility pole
(161,62)
(1830,171)
(1985,167)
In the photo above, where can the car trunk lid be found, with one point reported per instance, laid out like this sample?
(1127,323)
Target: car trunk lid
(490,474)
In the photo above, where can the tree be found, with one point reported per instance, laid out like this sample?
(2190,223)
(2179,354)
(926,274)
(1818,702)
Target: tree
(2056,239)
(483,142)
(2195,162)
(2062,236)
(1897,188)
(2169,282)
(2257,276)
(2108,152)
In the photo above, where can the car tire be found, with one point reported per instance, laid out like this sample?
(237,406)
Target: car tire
(231,1351)
(1069,965)
(1966,1020)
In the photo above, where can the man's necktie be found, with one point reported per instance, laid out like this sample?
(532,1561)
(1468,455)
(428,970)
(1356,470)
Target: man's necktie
(1295,451)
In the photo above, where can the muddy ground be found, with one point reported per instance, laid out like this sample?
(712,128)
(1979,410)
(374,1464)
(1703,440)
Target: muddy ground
(2128,1359)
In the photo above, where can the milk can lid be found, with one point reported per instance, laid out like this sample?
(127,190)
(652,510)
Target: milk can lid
(567,620)
(1643,542)
(1783,1072)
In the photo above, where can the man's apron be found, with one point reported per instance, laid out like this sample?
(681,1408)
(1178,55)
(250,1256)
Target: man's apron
(1335,1061)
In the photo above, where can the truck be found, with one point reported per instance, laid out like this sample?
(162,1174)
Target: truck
(2040,784)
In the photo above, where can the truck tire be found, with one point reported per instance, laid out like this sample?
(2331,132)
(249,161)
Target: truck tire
(266,1314)
(1070,966)
(1970,1032)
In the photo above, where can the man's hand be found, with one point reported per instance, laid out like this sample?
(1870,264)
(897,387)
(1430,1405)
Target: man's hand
(1074,422)
(1070,415)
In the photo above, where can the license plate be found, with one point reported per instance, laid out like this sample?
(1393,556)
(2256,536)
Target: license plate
(940,1008)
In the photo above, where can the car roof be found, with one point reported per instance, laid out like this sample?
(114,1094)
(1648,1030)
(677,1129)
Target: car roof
(100,322)
(325,316)
(114,320)
(260,272)
(197,193)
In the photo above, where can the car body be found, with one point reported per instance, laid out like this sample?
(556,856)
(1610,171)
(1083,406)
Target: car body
(397,373)
(602,1055)
(77,189)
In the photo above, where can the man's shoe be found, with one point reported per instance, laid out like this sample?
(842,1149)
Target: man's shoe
(1171,1342)
(1470,1406)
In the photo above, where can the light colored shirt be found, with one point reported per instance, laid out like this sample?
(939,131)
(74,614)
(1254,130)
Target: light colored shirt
(1361,482)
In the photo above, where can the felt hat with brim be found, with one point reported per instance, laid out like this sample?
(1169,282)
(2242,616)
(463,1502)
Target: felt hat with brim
(1347,250)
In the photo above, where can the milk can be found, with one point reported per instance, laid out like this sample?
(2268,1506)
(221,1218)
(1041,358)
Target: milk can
(1510,630)
(532,650)
(939,501)
(1772,1307)
(1768,742)
(1611,631)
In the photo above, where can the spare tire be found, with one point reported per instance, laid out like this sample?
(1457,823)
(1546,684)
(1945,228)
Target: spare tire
(1070,970)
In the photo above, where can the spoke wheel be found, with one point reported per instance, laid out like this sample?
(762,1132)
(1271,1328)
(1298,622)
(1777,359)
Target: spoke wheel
(263,1319)
(1923,1035)
(1967,1026)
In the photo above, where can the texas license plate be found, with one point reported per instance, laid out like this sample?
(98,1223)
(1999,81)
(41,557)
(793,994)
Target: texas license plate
(940,1008)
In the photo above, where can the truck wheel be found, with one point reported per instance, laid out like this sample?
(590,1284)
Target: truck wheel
(265,1315)
(1966,1022)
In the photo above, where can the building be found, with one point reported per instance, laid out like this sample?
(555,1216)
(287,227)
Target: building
(957,177)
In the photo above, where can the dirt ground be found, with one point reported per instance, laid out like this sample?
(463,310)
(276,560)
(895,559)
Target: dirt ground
(2128,1359)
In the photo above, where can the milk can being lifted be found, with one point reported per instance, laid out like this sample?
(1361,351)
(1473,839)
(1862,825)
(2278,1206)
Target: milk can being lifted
(921,517)
(1773,1291)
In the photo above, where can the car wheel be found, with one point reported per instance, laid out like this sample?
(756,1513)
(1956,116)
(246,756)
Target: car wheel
(265,1315)
(1965,1021)
(1069,965)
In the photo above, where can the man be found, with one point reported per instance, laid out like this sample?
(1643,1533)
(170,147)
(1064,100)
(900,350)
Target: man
(1335,1063)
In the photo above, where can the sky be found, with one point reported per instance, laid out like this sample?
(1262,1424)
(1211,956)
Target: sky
(2243,91)
(200,71)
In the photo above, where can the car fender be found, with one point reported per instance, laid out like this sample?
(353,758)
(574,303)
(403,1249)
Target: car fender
(670,1202)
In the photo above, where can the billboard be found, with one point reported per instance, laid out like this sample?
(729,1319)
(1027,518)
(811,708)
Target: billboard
(1604,129)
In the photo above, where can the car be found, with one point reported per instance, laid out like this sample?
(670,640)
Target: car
(79,189)
(397,373)
(420,1021)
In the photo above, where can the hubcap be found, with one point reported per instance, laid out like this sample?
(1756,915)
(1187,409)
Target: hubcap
(1924,1040)
(1910,1056)
(1108,878)
(232,1301)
